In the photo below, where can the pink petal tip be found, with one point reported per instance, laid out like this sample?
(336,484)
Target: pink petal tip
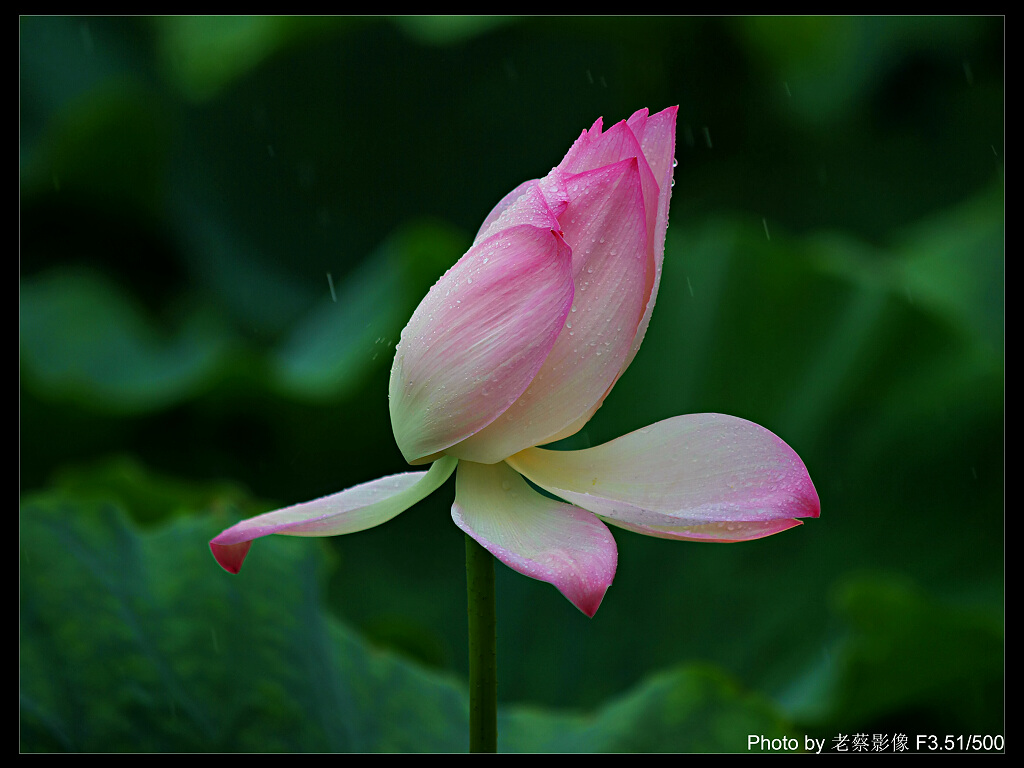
(230,556)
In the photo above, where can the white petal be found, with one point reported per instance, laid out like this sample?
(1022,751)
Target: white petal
(536,536)
(355,509)
(688,470)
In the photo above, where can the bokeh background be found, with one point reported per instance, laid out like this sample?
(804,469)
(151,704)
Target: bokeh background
(226,222)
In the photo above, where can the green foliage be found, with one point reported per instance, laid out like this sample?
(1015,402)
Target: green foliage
(83,339)
(908,654)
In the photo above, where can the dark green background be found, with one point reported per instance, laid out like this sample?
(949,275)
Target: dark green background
(192,188)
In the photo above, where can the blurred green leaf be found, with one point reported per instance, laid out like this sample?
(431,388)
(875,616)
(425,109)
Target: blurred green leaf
(951,263)
(828,64)
(908,659)
(330,350)
(140,643)
(107,149)
(955,263)
(203,55)
(82,339)
(690,709)
(442,30)
(149,497)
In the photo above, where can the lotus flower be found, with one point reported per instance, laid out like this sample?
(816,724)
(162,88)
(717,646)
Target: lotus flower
(518,345)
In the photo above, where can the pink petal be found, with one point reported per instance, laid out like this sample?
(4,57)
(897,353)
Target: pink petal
(685,471)
(657,137)
(532,202)
(356,509)
(536,536)
(481,334)
(604,224)
(722,533)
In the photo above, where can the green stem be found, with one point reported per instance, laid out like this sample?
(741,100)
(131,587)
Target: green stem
(483,675)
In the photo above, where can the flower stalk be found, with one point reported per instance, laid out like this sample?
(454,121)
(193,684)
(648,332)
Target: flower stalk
(483,669)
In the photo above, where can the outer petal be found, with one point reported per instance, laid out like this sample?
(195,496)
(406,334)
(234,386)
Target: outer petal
(605,225)
(356,509)
(478,338)
(722,533)
(685,471)
(536,536)
(503,204)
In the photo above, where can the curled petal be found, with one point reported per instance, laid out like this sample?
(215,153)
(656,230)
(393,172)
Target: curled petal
(356,509)
(504,204)
(522,204)
(478,338)
(605,226)
(536,536)
(685,471)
